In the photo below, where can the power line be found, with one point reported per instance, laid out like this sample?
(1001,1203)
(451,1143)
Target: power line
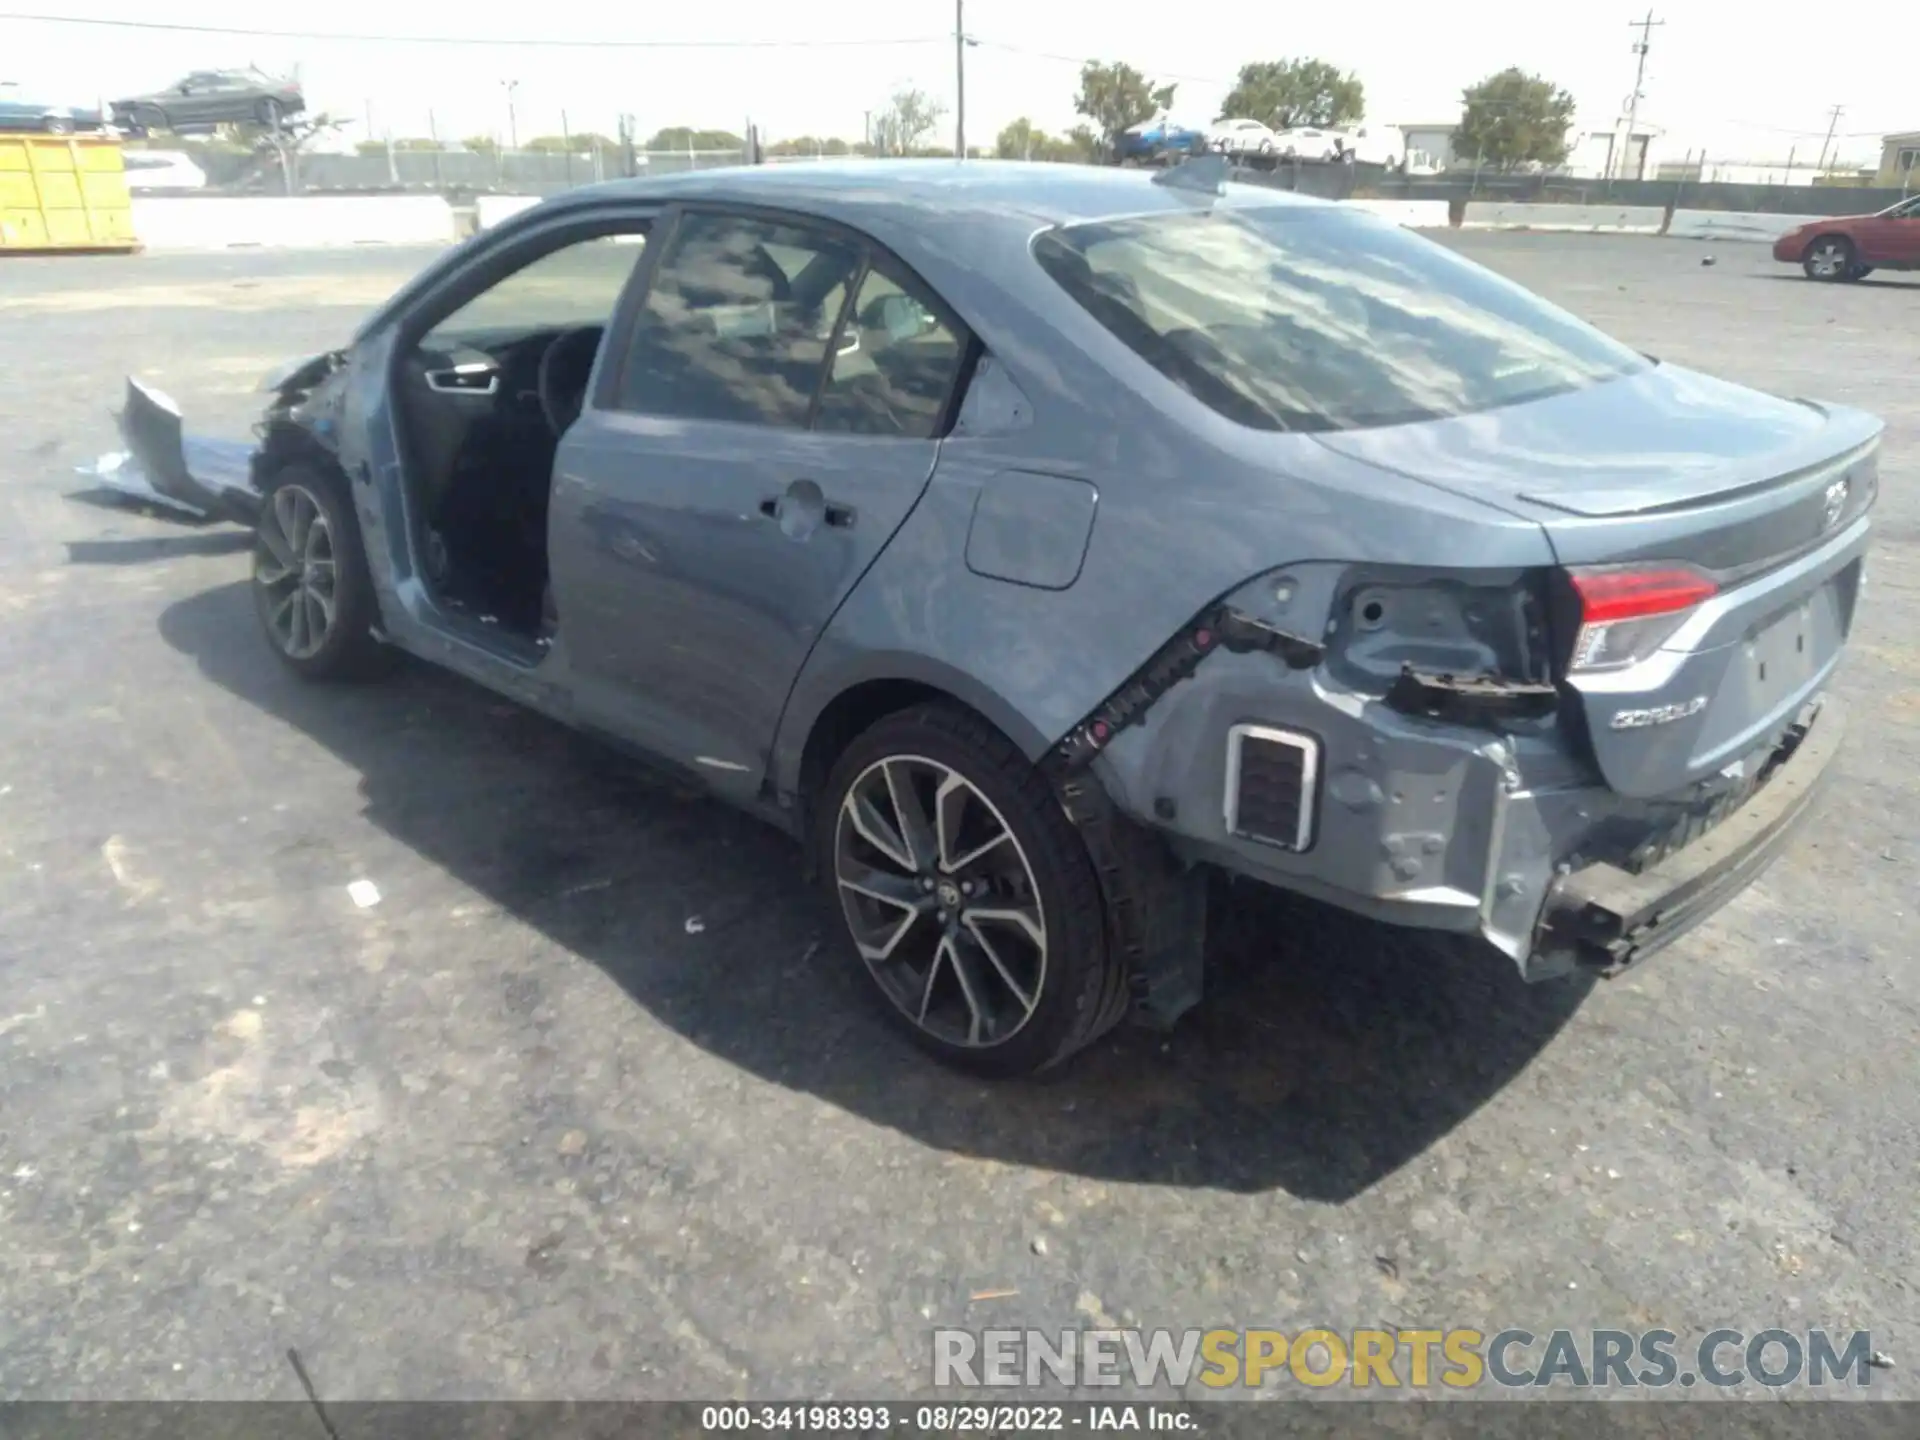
(520,43)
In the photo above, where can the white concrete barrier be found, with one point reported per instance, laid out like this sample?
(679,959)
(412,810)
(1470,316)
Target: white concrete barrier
(490,210)
(1414,214)
(1610,219)
(290,221)
(1735,225)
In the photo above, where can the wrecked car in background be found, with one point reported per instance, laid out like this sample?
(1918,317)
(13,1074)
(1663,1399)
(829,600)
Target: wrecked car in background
(207,98)
(1030,541)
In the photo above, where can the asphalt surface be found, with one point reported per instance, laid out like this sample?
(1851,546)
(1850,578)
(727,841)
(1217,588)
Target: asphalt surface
(589,1104)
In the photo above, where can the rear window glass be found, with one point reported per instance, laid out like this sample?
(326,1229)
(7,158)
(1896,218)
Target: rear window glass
(1320,319)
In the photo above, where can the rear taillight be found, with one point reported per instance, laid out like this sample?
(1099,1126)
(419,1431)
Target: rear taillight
(1627,613)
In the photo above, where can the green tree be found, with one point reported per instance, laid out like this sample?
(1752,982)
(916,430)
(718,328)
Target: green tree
(1289,93)
(809,145)
(904,126)
(1117,96)
(581,144)
(1015,140)
(1022,140)
(682,137)
(481,144)
(1512,119)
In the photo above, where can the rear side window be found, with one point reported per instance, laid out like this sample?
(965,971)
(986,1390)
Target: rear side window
(1321,319)
(737,321)
(894,365)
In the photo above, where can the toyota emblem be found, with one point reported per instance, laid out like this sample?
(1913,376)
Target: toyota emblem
(1836,503)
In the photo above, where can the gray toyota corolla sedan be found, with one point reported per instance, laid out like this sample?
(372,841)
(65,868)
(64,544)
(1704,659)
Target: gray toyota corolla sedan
(1031,540)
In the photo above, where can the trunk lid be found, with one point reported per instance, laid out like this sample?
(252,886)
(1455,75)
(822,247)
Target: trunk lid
(1768,497)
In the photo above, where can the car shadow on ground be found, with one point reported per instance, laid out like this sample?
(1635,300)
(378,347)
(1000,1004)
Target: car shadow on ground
(147,549)
(1892,281)
(1327,1054)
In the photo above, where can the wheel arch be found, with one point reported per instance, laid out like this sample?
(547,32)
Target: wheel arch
(285,443)
(1821,237)
(825,715)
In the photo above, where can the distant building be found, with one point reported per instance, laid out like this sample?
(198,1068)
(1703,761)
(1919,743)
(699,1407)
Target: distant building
(1591,154)
(1435,142)
(1900,160)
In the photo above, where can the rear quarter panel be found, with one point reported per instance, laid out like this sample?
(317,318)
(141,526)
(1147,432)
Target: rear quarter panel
(1188,506)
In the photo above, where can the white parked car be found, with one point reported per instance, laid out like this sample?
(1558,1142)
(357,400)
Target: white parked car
(1375,145)
(162,170)
(1306,143)
(1242,137)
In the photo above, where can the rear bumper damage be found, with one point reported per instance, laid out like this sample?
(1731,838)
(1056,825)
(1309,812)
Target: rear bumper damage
(187,477)
(1605,918)
(1498,832)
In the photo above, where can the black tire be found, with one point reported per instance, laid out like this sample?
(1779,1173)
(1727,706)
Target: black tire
(1831,258)
(1860,272)
(349,650)
(269,113)
(59,125)
(1072,1004)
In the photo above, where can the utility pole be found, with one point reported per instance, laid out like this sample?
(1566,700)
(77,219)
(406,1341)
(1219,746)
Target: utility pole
(959,81)
(1833,124)
(513,124)
(1640,48)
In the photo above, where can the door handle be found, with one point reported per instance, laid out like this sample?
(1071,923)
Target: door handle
(841,517)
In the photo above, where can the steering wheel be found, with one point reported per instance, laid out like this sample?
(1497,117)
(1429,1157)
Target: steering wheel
(565,367)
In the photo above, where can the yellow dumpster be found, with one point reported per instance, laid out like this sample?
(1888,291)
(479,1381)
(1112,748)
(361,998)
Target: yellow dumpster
(64,192)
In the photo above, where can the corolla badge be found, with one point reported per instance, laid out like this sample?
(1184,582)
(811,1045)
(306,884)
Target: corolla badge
(1836,503)
(1657,714)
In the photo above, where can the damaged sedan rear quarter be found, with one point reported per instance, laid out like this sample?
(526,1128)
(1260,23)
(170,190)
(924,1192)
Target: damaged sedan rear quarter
(1031,541)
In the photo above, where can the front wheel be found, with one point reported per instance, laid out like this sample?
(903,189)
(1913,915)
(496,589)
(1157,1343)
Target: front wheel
(310,582)
(59,125)
(967,895)
(269,114)
(1830,258)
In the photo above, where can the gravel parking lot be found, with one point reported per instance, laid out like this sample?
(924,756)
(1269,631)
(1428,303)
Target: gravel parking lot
(584,1106)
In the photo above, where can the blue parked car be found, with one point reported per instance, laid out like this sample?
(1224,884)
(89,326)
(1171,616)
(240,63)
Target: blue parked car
(1159,139)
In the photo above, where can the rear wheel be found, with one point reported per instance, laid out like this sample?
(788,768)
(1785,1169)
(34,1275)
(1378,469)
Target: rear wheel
(269,113)
(59,125)
(1831,257)
(310,581)
(966,893)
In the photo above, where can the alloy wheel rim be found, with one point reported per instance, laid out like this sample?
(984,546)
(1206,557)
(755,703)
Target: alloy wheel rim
(295,572)
(941,901)
(1827,259)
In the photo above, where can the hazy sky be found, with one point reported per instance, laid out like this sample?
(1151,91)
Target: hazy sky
(1743,81)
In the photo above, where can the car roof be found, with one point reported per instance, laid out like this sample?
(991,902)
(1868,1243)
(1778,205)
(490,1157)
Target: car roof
(859,191)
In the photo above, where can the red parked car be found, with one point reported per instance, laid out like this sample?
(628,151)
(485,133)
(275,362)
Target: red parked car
(1846,247)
